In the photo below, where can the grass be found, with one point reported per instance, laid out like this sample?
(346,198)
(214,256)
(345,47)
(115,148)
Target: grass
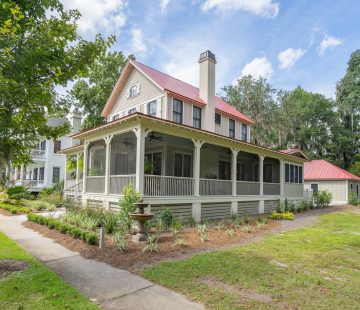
(35,287)
(311,268)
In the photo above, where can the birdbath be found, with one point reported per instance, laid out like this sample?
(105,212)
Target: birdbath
(141,217)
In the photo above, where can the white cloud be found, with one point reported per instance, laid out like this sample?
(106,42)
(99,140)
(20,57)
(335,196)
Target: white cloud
(328,42)
(289,57)
(98,15)
(164,4)
(258,67)
(265,8)
(138,44)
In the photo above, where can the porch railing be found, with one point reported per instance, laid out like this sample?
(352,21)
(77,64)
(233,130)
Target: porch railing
(95,184)
(271,188)
(118,182)
(37,153)
(247,188)
(159,185)
(70,183)
(209,187)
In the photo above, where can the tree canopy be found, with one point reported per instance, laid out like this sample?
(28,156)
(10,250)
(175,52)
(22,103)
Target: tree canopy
(319,126)
(91,93)
(40,50)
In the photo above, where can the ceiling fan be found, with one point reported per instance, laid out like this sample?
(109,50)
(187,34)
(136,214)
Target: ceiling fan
(152,136)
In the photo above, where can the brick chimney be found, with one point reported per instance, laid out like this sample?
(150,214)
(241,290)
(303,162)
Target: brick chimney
(207,63)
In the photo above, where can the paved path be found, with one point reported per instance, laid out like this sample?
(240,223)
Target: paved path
(110,287)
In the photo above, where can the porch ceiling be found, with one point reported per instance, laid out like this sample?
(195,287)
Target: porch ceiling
(129,122)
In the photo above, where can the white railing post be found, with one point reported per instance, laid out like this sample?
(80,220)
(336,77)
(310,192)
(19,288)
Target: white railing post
(140,133)
(86,146)
(107,162)
(282,177)
(261,173)
(234,152)
(196,165)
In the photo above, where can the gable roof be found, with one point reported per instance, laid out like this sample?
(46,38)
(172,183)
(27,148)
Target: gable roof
(294,152)
(323,170)
(177,87)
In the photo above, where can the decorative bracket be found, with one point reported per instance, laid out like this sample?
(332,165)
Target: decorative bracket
(234,151)
(197,143)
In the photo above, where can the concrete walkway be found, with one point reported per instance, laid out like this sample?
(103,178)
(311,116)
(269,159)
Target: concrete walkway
(109,287)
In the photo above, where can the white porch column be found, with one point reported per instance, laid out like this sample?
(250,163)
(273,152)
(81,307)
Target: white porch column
(140,133)
(86,146)
(77,168)
(282,177)
(107,162)
(234,152)
(261,173)
(196,165)
(65,172)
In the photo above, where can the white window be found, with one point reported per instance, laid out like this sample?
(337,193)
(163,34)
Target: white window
(151,108)
(293,173)
(244,131)
(56,175)
(177,111)
(231,128)
(182,165)
(217,119)
(131,111)
(133,91)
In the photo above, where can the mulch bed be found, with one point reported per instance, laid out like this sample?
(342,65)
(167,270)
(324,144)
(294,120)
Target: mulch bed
(133,259)
(8,266)
(6,213)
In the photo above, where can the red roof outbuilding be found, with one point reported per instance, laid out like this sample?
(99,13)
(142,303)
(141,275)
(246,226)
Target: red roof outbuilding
(323,170)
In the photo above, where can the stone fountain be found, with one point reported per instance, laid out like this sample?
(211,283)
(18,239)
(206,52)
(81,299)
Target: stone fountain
(141,218)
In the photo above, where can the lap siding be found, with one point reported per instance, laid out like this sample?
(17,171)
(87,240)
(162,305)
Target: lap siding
(212,211)
(248,207)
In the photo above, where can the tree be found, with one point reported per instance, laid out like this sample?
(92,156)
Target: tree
(39,49)
(309,120)
(255,98)
(91,94)
(348,105)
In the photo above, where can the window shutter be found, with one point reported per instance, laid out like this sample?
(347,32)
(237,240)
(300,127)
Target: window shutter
(138,88)
(127,93)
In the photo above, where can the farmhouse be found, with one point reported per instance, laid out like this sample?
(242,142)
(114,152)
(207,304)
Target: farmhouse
(181,146)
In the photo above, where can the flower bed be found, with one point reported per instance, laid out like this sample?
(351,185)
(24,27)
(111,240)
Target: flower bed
(14,209)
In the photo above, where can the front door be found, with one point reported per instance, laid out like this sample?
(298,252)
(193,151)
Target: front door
(224,170)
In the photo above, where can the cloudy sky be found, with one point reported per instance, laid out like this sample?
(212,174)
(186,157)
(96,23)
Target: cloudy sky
(291,43)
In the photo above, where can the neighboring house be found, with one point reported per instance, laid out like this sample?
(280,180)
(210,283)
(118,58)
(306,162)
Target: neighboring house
(321,175)
(183,147)
(47,167)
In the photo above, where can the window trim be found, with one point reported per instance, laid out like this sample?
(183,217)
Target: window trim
(52,179)
(180,113)
(246,132)
(196,119)
(232,121)
(130,91)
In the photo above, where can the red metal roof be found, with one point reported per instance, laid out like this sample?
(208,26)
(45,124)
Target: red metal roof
(323,170)
(181,88)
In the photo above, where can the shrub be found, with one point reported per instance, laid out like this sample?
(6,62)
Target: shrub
(120,241)
(246,228)
(201,229)
(4,197)
(282,216)
(353,200)
(166,217)
(192,222)
(152,245)
(322,198)
(246,218)
(180,242)
(260,225)
(54,198)
(130,196)
(18,192)
(91,238)
(110,222)
(230,233)
(220,225)
(176,225)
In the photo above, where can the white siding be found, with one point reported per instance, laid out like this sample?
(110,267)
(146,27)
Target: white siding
(148,91)
(337,188)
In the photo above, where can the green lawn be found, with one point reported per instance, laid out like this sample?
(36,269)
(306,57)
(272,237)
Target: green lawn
(36,287)
(311,268)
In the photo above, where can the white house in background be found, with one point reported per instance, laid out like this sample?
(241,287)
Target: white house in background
(48,167)
(321,175)
(182,147)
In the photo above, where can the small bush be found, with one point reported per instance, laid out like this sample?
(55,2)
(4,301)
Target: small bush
(166,217)
(130,196)
(18,192)
(246,218)
(353,200)
(120,241)
(322,198)
(110,222)
(152,245)
(192,222)
(220,225)
(282,216)
(91,238)
(246,228)
(230,233)
(260,225)
(176,225)
(180,242)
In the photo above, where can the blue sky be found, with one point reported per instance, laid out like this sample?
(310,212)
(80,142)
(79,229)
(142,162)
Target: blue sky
(291,43)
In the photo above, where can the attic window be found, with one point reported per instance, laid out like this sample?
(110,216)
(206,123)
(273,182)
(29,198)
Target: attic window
(134,90)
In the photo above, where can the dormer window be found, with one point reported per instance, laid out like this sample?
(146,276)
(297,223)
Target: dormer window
(244,131)
(217,119)
(134,90)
